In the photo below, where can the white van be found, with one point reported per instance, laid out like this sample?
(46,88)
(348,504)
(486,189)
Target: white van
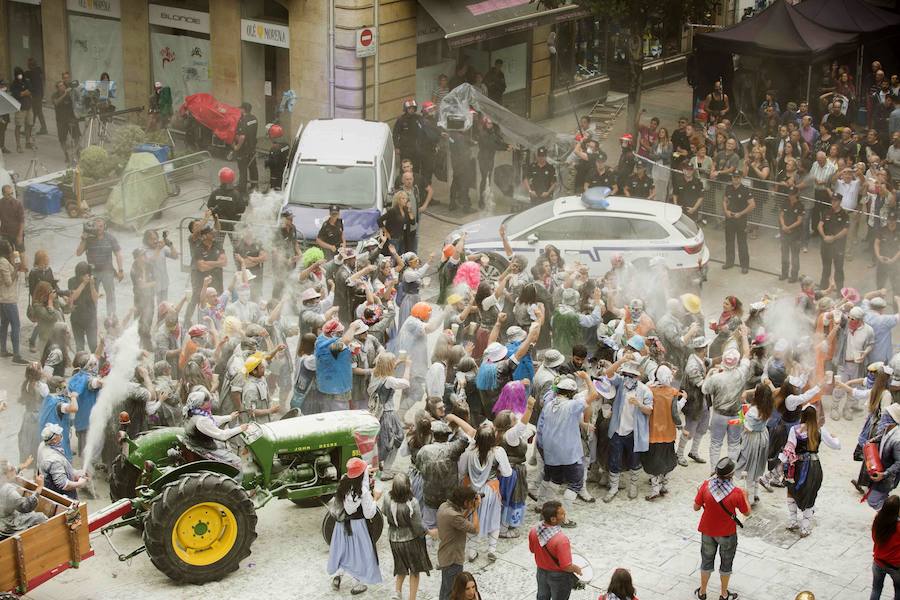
(346,162)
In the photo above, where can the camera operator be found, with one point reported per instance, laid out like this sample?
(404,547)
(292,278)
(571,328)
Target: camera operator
(101,247)
(66,121)
(83,296)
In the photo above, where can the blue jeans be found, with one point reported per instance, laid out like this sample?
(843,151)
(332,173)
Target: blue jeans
(553,585)
(878,574)
(107,279)
(727,547)
(622,456)
(718,429)
(448,575)
(9,322)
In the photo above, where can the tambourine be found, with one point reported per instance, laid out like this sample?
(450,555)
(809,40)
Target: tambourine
(587,571)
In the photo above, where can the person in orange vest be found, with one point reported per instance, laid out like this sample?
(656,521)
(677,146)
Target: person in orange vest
(665,421)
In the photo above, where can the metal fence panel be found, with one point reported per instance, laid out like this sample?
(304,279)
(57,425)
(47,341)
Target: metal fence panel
(186,179)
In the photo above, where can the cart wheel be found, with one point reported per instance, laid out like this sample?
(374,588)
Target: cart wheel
(376,526)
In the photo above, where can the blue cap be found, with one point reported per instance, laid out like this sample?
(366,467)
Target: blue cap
(636,342)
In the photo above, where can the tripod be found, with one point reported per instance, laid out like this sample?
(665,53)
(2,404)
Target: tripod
(35,164)
(96,126)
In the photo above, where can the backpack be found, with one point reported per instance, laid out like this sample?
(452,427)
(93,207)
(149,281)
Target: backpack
(378,398)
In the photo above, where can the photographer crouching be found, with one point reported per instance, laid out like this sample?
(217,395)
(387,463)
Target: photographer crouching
(101,247)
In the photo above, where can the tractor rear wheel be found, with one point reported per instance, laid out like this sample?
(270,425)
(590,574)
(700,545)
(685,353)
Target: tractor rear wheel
(376,526)
(200,528)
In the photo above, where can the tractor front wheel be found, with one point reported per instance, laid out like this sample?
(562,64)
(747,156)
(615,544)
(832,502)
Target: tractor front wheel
(200,528)
(376,526)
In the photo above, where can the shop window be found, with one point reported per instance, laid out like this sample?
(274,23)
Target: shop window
(581,51)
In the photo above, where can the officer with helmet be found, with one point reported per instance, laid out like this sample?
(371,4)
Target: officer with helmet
(408,130)
(277,159)
(226,203)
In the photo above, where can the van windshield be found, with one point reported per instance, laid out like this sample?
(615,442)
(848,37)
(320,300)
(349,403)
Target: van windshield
(351,186)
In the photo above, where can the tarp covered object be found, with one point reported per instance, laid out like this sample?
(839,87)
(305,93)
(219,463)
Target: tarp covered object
(142,194)
(780,31)
(514,129)
(855,16)
(220,118)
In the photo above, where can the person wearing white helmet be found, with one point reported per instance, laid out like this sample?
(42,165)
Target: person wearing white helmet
(696,409)
(855,342)
(629,424)
(559,439)
(724,386)
(882,325)
(57,470)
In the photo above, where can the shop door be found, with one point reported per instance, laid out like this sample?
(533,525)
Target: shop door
(278,76)
(25,35)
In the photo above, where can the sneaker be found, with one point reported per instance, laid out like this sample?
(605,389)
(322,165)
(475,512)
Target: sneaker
(471,555)
(18,360)
(336,583)
(585,496)
(696,458)
(569,524)
(805,532)
(682,461)
(358,589)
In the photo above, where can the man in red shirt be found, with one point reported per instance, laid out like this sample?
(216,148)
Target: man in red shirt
(720,500)
(552,554)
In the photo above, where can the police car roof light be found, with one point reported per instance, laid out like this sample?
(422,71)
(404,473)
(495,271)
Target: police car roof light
(595,198)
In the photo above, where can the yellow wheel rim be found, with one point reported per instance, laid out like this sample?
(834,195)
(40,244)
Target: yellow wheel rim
(204,534)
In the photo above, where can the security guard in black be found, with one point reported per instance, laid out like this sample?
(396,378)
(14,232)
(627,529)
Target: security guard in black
(639,185)
(687,190)
(737,206)
(833,230)
(791,221)
(226,204)
(602,176)
(245,148)
(541,178)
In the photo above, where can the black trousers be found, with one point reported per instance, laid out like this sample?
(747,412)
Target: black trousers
(832,255)
(37,108)
(790,253)
(248,171)
(736,232)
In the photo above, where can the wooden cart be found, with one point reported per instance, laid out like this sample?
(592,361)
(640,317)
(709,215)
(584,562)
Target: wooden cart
(35,555)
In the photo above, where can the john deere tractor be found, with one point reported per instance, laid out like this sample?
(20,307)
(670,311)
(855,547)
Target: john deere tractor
(199,516)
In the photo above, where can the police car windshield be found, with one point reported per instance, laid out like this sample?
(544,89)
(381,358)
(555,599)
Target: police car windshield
(517,223)
(351,186)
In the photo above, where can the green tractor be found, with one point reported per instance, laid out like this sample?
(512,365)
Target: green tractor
(198,516)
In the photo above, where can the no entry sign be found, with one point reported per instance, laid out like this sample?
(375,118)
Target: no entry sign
(365,42)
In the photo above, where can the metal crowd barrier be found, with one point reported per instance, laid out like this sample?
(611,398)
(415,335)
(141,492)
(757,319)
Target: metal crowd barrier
(186,180)
(768,200)
(265,232)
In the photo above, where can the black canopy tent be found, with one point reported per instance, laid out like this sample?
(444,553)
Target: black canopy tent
(780,32)
(853,16)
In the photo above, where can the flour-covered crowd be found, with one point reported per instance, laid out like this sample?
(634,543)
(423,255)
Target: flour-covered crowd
(508,396)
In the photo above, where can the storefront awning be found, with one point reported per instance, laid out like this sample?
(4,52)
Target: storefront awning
(465,22)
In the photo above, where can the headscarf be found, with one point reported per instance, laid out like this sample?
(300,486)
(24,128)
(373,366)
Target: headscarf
(664,375)
(195,402)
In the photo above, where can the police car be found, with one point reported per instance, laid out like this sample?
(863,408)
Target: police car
(591,229)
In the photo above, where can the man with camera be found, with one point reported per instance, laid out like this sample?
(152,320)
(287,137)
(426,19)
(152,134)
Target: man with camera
(64,107)
(101,248)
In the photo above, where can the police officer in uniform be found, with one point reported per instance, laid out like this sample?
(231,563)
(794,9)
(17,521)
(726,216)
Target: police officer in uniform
(640,185)
(601,175)
(226,203)
(407,132)
(791,221)
(245,148)
(887,255)
(687,192)
(833,230)
(277,158)
(737,205)
(540,179)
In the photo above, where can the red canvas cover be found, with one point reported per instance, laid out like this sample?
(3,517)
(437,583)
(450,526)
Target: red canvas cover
(219,117)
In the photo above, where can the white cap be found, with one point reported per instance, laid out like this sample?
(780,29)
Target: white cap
(515,333)
(495,352)
(857,313)
(50,430)
(567,384)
